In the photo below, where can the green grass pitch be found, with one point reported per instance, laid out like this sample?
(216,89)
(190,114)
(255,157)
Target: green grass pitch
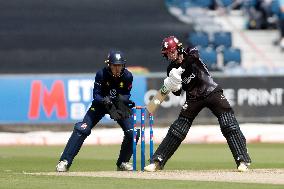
(16,160)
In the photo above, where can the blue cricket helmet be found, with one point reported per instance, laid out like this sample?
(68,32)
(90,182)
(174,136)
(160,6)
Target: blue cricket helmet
(115,57)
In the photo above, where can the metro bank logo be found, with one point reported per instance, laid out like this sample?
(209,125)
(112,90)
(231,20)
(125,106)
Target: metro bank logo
(59,98)
(64,99)
(50,100)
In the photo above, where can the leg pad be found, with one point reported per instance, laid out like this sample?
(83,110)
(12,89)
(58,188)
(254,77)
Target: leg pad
(234,136)
(176,134)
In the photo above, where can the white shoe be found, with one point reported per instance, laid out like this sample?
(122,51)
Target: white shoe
(125,166)
(62,166)
(152,167)
(243,167)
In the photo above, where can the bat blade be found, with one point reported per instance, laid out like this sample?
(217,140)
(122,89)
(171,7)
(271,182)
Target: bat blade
(157,100)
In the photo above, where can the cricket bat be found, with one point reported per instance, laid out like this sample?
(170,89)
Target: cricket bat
(157,99)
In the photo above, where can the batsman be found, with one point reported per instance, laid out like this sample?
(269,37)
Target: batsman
(187,72)
(111,95)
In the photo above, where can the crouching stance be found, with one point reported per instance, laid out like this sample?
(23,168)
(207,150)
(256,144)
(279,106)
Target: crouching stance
(201,92)
(111,95)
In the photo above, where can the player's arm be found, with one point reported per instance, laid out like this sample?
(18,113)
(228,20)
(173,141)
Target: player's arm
(104,100)
(97,90)
(192,53)
(171,84)
(122,102)
(126,90)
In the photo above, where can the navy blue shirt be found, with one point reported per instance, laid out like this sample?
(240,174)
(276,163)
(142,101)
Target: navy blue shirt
(107,85)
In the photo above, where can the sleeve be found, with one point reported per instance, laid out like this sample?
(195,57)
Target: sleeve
(126,92)
(97,91)
(193,53)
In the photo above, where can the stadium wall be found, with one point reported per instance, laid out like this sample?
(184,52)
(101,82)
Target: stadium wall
(63,99)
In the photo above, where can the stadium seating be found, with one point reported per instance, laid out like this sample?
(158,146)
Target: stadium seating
(232,56)
(275,7)
(250,3)
(209,57)
(222,40)
(215,43)
(199,39)
(209,4)
(210,47)
(203,3)
(226,3)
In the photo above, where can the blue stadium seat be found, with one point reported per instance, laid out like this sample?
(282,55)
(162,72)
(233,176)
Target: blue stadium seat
(209,57)
(182,4)
(275,7)
(203,3)
(200,39)
(222,39)
(252,3)
(232,56)
(171,2)
(226,3)
(248,4)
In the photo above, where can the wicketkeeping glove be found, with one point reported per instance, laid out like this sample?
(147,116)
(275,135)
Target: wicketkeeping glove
(114,113)
(126,101)
(107,101)
(129,103)
(124,107)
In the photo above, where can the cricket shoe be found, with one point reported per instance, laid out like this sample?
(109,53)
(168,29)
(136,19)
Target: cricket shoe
(152,167)
(243,167)
(125,166)
(62,166)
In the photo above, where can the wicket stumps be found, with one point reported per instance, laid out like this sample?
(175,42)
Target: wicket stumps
(142,130)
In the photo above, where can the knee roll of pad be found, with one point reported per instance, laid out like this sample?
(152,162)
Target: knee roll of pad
(176,134)
(166,149)
(83,128)
(228,123)
(180,127)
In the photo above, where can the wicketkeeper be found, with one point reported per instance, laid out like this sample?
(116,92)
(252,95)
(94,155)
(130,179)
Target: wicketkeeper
(111,95)
(201,92)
